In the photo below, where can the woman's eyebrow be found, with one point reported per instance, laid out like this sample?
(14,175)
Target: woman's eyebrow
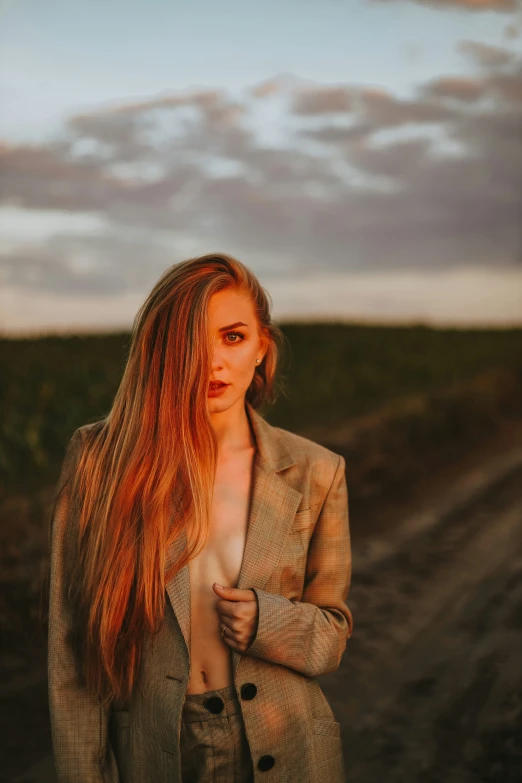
(232,326)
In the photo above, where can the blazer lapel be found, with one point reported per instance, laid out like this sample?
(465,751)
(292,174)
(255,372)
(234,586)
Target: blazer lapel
(273,504)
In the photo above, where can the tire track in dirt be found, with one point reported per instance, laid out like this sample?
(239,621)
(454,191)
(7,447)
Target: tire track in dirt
(430,685)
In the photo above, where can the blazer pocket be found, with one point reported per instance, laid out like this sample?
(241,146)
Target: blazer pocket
(330,728)
(327,740)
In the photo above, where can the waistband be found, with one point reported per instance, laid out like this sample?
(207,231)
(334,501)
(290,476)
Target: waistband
(211,704)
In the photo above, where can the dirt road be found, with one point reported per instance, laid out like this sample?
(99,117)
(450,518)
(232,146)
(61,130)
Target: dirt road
(430,687)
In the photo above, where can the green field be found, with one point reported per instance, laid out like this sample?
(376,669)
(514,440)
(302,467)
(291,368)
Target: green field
(329,373)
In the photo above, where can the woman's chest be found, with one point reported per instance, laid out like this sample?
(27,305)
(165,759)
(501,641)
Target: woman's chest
(222,556)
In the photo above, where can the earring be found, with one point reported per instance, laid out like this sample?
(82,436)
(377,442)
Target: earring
(257,360)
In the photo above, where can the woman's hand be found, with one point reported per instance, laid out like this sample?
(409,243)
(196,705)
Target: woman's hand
(239,612)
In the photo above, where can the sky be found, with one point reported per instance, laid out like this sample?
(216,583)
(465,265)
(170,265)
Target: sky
(362,157)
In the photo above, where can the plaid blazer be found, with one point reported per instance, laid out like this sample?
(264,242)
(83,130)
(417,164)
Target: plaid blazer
(297,559)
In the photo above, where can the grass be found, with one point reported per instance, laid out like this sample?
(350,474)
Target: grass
(330,373)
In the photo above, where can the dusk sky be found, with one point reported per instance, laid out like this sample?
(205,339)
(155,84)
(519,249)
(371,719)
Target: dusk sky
(362,157)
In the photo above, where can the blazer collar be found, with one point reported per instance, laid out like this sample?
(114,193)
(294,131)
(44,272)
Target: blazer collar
(272,452)
(273,504)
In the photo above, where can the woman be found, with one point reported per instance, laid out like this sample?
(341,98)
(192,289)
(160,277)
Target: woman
(200,559)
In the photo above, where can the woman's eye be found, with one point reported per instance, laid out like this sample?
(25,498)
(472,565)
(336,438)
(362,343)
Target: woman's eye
(235,334)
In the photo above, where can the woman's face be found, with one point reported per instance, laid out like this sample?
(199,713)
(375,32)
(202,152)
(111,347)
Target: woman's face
(236,348)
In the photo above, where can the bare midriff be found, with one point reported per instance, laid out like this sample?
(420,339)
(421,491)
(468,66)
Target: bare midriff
(220,561)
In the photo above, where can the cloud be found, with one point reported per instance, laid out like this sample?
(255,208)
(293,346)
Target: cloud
(327,100)
(366,181)
(467,297)
(459,88)
(104,264)
(473,6)
(487,56)
(511,31)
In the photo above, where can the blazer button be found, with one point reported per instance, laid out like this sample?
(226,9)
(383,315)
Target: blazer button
(248,690)
(215,704)
(265,762)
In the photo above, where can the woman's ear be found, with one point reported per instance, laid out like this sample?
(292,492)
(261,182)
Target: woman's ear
(264,346)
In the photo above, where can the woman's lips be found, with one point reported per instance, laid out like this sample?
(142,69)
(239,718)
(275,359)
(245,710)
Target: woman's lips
(215,389)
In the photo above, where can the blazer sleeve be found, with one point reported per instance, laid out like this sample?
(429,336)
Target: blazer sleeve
(310,636)
(79,724)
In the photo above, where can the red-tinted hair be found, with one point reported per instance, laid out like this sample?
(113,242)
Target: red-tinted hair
(155,445)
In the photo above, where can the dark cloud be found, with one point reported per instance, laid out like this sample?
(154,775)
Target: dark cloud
(85,264)
(487,56)
(458,88)
(473,6)
(430,181)
(376,109)
(327,100)
(511,31)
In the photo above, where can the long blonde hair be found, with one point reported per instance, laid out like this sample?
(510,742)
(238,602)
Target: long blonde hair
(152,461)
